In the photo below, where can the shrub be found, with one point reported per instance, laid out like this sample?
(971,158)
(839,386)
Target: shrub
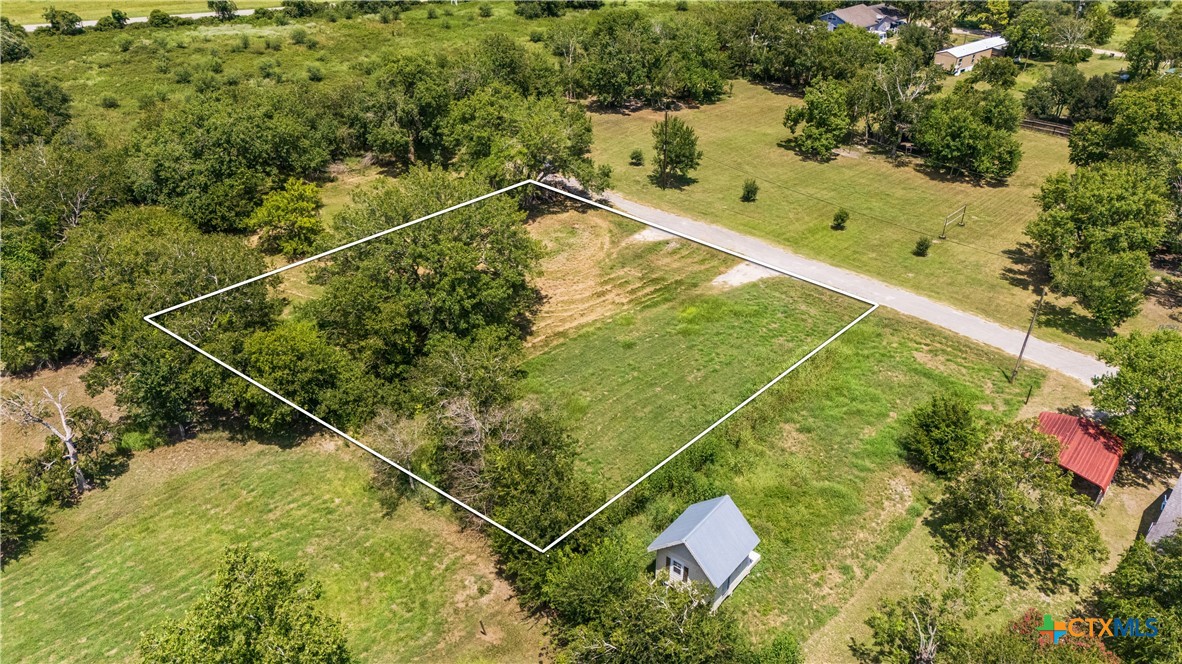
(750,191)
(942,434)
(537,36)
(637,157)
(299,36)
(448,12)
(922,246)
(839,219)
(109,101)
(311,43)
(314,74)
(183,75)
(243,41)
(681,5)
(446,24)
(273,43)
(123,44)
(486,11)
(432,12)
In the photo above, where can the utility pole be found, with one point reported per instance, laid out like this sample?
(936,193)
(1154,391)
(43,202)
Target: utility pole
(1029,330)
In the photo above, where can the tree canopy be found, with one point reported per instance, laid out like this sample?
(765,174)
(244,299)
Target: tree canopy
(1144,395)
(258,610)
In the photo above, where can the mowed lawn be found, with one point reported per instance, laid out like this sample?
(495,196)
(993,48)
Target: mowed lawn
(819,474)
(668,351)
(408,587)
(980,268)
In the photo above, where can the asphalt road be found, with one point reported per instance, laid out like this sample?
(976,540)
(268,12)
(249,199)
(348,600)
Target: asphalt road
(1077,365)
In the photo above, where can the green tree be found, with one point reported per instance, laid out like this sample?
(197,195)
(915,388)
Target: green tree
(404,110)
(62,22)
(972,131)
(1147,583)
(675,150)
(258,610)
(1144,396)
(22,516)
(1013,500)
(109,274)
(225,9)
(997,72)
(1109,286)
(35,109)
(288,221)
(1100,24)
(660,622)
(585,589)
(501,137)
(1158,40)
(294,360)
(455,274)
(1096,228)
(14,42)
(943,434)
(1029,35)
(826,119)
(212,157)
(923,627)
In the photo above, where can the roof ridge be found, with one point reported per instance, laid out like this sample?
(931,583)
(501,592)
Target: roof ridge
(721,499)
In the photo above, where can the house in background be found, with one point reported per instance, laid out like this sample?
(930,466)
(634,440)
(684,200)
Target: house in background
(880,19)
(1086,448)
(1169,521)
(711,542)
(960,59)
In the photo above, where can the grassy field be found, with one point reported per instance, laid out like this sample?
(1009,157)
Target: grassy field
(668,351)
(30,11)
(408,587)
(983,267)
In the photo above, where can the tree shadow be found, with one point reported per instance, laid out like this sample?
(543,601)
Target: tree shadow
(781,89)
(677,182)
(948,176)
(1072,322)
(1148,472)
(790,145)
(1026,270)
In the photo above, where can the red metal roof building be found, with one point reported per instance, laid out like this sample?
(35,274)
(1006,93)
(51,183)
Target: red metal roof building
(1086,448)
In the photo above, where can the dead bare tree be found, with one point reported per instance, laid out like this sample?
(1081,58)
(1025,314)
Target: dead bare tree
(27,411)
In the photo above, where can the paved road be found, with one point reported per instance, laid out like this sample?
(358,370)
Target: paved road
(1053,356)
(29,27)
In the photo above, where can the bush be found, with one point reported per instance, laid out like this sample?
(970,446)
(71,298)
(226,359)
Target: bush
(273,43)
(432,12)
(784,649)
(750,191)
(681,5)
(109,101)
(183,75)
(314,74)
(486,11)
(537,36)
(839,219)
(299,36)
(123,44)
(922,246)
(942,434)
(637,157)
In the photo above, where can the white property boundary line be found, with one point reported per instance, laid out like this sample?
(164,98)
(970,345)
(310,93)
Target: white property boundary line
(873,306)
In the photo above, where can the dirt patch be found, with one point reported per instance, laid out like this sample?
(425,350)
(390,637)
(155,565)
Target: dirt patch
(17,440)
(651,234)
(743,273)
(792,440)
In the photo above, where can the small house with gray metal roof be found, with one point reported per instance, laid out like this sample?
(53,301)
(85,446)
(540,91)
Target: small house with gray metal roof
(711,542)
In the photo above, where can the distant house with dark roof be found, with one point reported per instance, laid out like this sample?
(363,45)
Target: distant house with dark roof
(881,19)
(1169,521)
(1086,448)
(960,59)
(711,542)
